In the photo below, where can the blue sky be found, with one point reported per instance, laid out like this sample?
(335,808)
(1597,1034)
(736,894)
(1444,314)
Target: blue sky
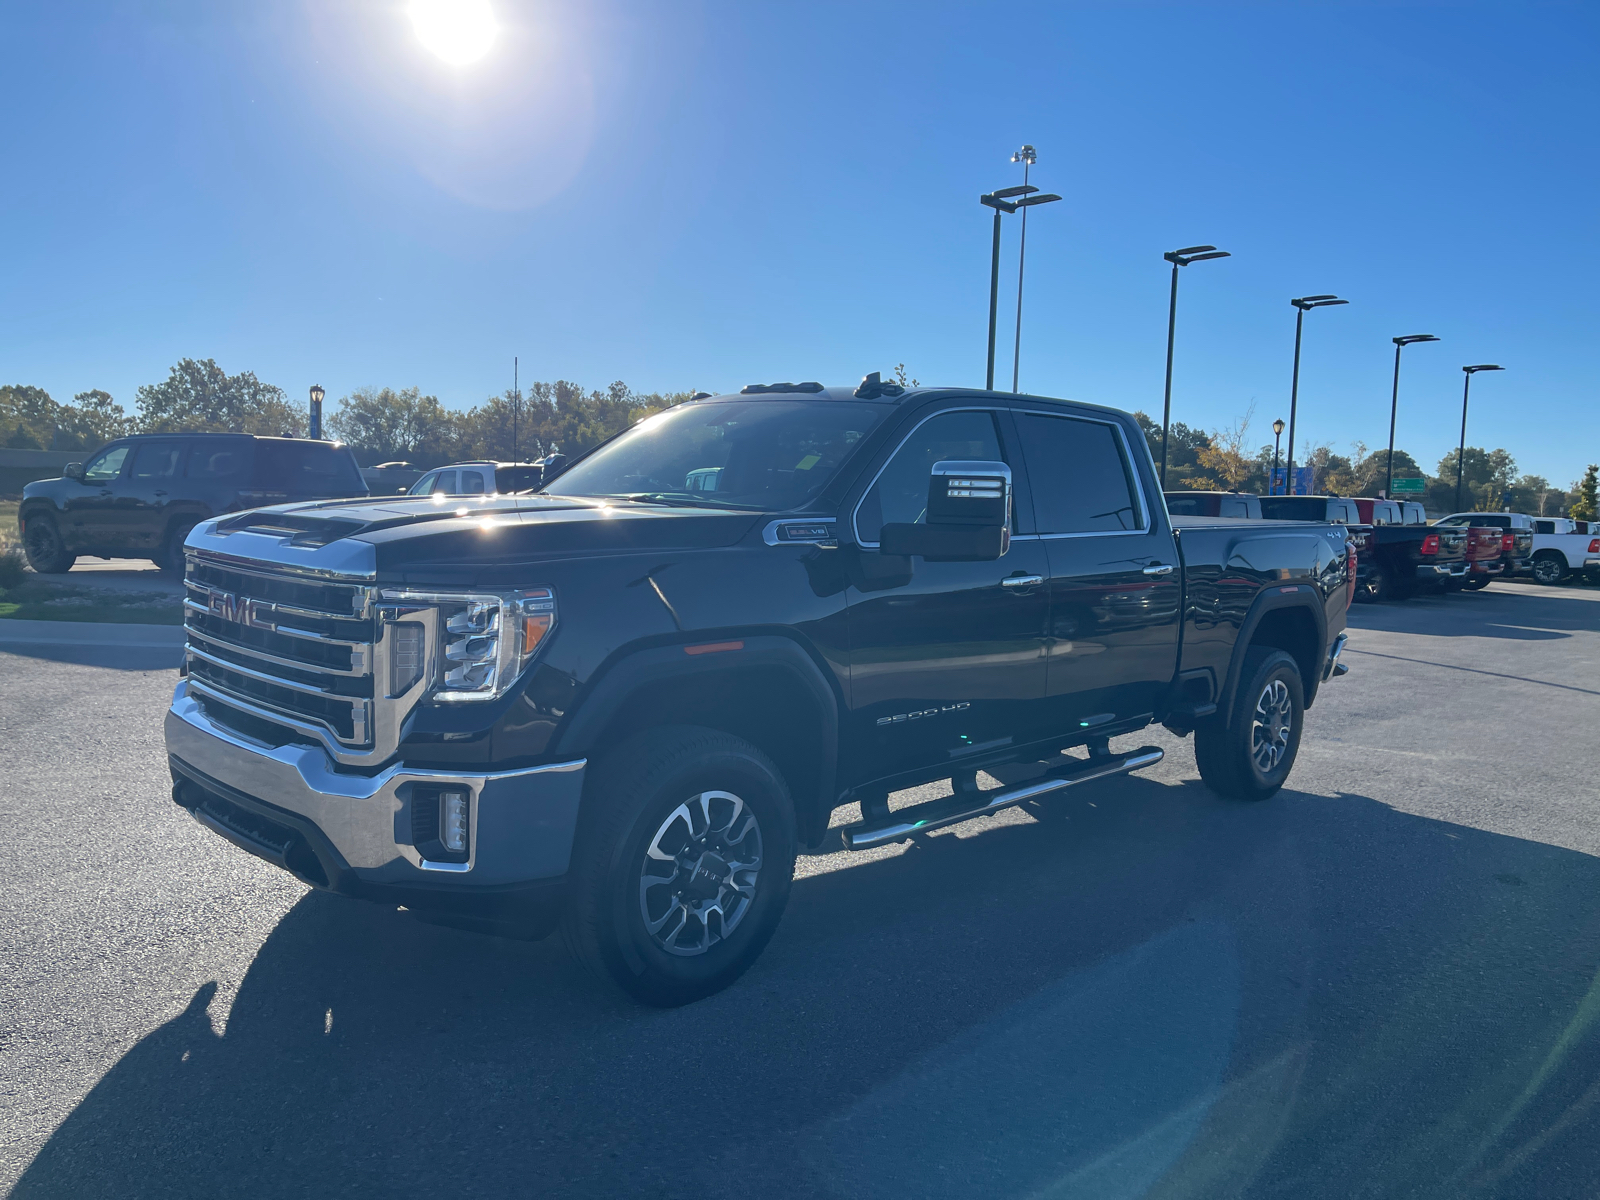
(704,195)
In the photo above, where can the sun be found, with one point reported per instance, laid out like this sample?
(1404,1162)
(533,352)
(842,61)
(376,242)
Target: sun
(458,31)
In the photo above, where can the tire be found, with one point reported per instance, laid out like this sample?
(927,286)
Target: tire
(1263,727)
(1384,587)
(1477,583)
(1549,569)
(170,557)
(650,806)
(44,548)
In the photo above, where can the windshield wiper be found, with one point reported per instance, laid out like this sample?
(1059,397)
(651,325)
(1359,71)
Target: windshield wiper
(675,500)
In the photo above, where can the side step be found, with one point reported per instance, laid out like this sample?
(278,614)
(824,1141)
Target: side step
(936,814)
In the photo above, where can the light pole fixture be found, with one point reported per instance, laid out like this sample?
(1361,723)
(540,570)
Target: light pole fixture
(1304,305)
(1027,156)
(1001,202)
(316,411)
(1461,451)
(1277,438)
(1178,258)
(1400,343)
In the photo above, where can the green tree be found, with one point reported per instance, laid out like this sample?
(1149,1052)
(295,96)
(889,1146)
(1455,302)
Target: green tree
(382,424)
(1587,507)
(1487,476)
(201,396)
(27,417)
(1183,463)
(89,422)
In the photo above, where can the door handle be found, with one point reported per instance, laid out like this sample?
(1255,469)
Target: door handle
(1021,581)
(1158,569)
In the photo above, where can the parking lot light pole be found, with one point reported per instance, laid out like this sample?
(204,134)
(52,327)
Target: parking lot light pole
(316,411)
(1304,304)
(1027,156)
(1277,438)
(1400,343)
(1461,451)
(1178,258)
(1000,201)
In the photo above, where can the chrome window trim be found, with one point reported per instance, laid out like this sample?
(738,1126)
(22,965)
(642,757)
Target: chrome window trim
(1139,494)
(900,445)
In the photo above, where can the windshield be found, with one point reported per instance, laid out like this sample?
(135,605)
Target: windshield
(767,455)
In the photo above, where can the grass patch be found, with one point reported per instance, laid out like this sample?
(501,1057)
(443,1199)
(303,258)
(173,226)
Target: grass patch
(8,525)
(36,600)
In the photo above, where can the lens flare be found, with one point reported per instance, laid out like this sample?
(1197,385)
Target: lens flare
(458,31)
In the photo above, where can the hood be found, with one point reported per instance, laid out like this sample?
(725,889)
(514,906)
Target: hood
(366,537)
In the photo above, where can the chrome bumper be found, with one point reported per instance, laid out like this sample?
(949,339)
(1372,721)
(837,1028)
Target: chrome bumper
(521,823)
(1333,668)
(1441,570)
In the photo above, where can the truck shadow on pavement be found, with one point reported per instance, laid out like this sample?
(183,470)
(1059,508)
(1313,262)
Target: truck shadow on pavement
(1146,991)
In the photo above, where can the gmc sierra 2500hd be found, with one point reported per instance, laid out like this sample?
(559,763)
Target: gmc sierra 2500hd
(622,704)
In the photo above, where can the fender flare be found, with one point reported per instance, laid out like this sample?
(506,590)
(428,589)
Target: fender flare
(632,670)
(1271,599)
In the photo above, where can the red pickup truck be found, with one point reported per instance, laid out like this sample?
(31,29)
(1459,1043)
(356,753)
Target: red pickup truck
(1486,551)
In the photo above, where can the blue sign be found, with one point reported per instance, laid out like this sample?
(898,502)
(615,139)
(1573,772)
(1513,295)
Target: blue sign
(1305,481)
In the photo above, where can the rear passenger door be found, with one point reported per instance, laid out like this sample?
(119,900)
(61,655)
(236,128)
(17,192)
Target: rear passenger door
(1115,582)
(142,502)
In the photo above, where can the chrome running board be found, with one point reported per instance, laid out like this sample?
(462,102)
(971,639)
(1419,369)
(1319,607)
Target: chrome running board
(936,814)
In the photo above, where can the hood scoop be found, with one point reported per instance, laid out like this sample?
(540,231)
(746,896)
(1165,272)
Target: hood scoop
(299,530)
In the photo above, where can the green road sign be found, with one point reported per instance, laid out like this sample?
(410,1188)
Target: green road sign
(1412,486)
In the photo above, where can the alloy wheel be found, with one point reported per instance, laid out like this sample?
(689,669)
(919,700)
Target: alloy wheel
(1271,726)
(699,874)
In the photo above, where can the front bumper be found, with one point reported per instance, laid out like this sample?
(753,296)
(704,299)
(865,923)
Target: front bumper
(357,829)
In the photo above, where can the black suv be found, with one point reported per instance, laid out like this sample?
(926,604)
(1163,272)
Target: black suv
(139,496)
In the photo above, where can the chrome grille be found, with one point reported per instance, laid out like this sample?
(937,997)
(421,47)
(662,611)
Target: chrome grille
(280,644)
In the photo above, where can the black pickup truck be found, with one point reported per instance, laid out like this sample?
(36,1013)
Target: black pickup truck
(623,704)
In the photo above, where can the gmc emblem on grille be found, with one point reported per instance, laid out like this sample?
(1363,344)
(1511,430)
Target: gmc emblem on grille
(241,610)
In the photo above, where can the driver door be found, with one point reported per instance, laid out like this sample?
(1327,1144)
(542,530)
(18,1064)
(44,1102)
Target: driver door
(90,508)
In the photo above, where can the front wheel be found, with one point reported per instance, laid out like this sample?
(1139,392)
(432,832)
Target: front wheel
(1249,755)
(45,551)
(1549,569)
(682,866)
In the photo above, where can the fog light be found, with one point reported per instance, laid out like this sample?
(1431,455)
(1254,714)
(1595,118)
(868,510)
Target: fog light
(453,821)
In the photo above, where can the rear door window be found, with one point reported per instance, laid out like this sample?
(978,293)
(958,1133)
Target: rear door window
(218,460)
(900,494)
(518,479)
(1080,478)
(1190,506)
(471,483)
(156,460)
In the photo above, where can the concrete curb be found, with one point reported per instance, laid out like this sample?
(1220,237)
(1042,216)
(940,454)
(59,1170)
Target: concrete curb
(86,633)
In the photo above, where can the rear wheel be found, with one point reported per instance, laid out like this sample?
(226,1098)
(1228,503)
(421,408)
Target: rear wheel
(682,866)
(1385,587)
(1549,568)
(44,548)
(1477,583)
(1248,755)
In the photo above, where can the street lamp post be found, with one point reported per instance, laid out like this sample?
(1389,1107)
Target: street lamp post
(1277,438)
(1178,258)
(1027,156)
(1400,343)
(316,411)
(1461,451)
(1000,201)
(1304,305)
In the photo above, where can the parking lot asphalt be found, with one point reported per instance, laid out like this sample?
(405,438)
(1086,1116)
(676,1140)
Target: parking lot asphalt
(1383,982)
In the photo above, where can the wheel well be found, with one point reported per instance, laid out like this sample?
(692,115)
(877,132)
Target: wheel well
(1550,552)
(1293,631)
(767,706)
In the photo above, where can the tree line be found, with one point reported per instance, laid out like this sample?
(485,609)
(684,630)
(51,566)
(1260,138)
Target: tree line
(380,424)
(406,425)
(1223,459)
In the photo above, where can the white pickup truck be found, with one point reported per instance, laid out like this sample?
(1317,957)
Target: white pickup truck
(1562,546)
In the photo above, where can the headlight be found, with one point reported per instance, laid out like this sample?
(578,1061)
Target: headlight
(484,642)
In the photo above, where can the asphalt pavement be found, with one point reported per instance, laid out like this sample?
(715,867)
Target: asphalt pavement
(1383,982)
